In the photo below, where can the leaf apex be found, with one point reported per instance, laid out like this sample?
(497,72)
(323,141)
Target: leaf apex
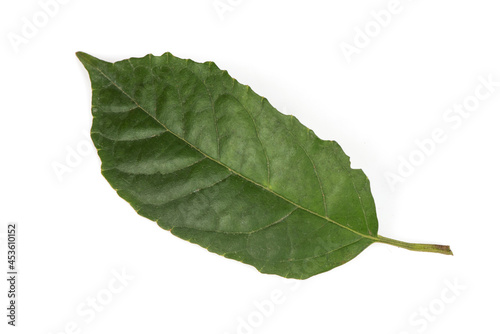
(88,60)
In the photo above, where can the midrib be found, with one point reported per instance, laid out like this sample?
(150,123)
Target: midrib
(231,170)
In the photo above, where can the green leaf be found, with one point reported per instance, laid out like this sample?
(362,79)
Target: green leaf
(214,163)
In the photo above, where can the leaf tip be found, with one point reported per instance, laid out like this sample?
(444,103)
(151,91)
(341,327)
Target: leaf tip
(82,56)
(87,59)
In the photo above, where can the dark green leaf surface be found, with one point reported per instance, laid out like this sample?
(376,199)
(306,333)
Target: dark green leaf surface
(213,162)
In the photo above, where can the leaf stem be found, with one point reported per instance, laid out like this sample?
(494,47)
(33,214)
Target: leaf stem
(416,247)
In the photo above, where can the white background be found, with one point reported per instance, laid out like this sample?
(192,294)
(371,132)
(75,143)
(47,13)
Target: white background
(75,232)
